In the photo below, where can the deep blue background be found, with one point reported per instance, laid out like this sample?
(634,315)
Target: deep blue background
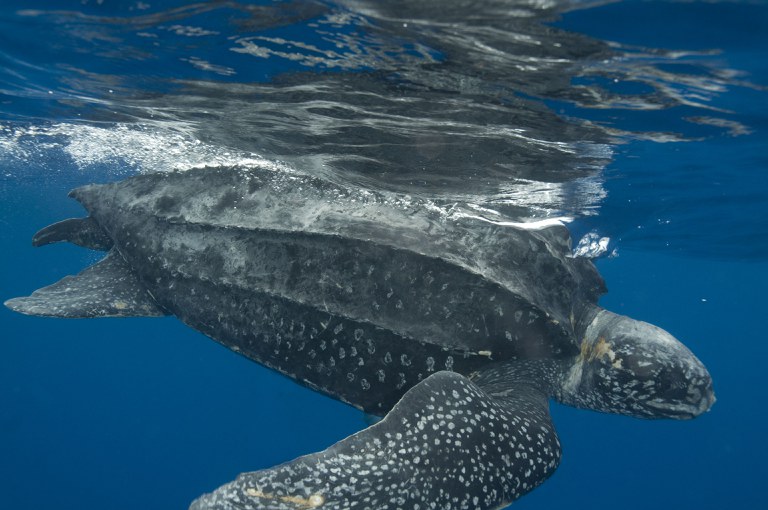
(147,414)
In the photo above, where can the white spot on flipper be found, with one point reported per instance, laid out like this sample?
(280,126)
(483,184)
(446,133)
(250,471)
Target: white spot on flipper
(315,500)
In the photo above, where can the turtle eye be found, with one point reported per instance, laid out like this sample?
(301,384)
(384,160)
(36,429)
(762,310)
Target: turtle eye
(671,384)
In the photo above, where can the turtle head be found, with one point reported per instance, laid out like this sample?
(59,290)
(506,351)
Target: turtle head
(631,367)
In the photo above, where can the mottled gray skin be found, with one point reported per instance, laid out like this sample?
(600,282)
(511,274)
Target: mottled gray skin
(458,329)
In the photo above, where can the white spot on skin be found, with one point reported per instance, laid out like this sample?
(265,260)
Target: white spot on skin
(315,500)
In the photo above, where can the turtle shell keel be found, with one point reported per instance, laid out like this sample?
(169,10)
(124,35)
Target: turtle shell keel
(356,294)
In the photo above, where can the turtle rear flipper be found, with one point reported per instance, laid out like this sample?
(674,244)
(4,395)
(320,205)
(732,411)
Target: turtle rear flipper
(106,289)
(447,442)
(83,232)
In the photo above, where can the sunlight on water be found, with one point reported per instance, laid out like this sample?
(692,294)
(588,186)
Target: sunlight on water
(493,110)
(122,149)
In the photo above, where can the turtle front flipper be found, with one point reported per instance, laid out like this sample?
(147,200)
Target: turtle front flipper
(447,443)
(83,232)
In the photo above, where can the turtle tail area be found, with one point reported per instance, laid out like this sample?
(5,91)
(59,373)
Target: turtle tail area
(108,288)
(83,232)
(448,443)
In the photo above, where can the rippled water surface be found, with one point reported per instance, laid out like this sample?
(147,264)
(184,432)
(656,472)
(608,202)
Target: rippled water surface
(641,124)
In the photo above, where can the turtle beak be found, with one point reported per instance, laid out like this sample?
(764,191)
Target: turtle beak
(682,411)
(688,391)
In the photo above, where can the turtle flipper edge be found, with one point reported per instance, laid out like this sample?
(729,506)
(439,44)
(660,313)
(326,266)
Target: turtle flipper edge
(83,232)
(446,442)
(106,289)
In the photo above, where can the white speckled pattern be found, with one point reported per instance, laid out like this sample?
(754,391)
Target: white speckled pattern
(447,444)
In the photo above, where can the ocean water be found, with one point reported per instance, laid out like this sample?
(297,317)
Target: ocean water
(642,122)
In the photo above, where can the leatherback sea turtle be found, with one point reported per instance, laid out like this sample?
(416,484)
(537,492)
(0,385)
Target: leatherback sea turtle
(456,329)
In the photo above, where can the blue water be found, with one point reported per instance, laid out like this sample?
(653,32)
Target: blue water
(148,414)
